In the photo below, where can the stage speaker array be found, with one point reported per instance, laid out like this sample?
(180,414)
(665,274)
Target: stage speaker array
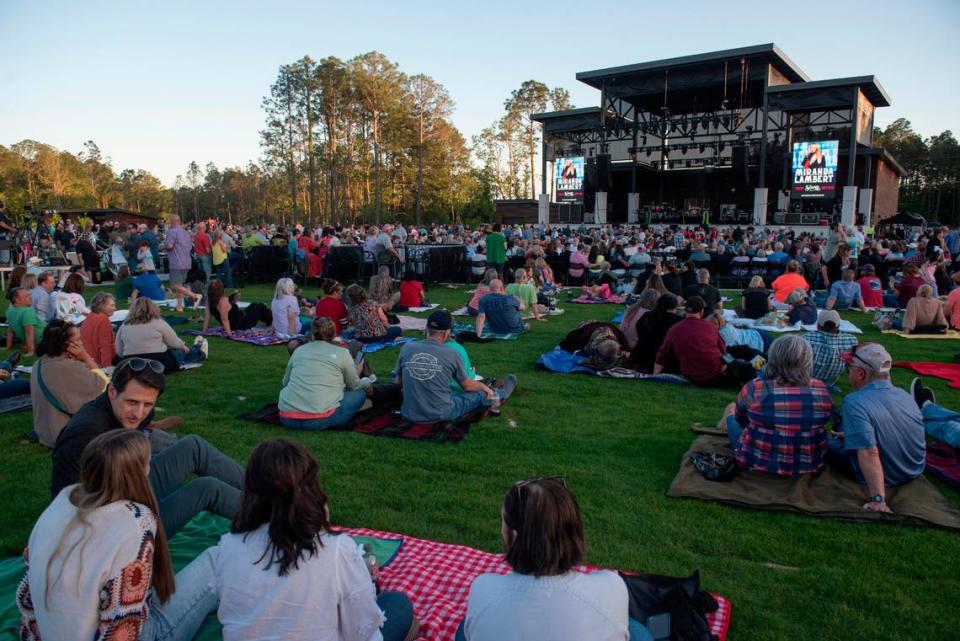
(604,178)
(741,166)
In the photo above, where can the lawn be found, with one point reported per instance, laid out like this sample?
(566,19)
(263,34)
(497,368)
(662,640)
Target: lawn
(618,443)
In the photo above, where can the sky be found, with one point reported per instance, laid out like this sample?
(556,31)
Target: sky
(159,84)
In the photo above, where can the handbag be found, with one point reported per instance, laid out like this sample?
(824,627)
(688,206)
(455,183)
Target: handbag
(682,598)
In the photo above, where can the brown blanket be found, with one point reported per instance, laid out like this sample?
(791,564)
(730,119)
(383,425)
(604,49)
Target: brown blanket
(825,494)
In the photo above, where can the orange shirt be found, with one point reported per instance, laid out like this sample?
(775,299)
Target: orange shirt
(98,340)
(786,283)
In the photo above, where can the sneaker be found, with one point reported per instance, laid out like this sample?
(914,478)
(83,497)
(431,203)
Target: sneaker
(920,393)
(509,385)
(204,345)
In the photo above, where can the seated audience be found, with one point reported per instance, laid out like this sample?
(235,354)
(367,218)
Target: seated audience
(99,566)
(483,288)
(283,573)
(42,297)
(802,310)
(951,307)
(777,423)
(331,304)
(545,597)
(524,291)
(229,315)
(97,331)
(906,288)
(881,440)
(871,289)
(24,327)
(924,313)
(68,303)
(369,321)
(788,281)
(425,370)
(285,309)
(499,312)
(144,333)
(755,301)
(693,348)
(706,291)
(411,292)
(128,404)
(381,288)
(845,293)
(633,313)
(651,330)
(147,284)
(321,385)
(828,344)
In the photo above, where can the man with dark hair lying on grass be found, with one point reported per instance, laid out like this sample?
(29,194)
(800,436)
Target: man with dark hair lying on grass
(693,348)
(128,403)
(425,370)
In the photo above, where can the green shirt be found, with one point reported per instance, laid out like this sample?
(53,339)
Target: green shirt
(315,378)
(123,289)
(496,248)
(252,241)
(460,349)
(526,292)
(20,317)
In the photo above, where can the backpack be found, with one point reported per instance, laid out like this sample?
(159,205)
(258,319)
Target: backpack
(682,598)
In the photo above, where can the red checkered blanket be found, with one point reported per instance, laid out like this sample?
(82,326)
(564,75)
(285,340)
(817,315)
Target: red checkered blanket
(437,577)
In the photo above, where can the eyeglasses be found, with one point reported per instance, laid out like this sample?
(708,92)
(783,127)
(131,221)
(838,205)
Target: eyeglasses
(137,364)
(519,485)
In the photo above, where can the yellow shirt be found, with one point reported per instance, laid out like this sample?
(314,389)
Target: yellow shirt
(219,255)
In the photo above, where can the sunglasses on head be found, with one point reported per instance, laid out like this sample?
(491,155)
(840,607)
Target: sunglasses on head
(137,364)
(519,485)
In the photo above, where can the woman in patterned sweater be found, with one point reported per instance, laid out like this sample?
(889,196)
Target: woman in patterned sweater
(98,566)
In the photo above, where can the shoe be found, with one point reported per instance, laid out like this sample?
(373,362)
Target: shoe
(204,345)
(920,393)
(509,385)
(14,359)
(167,423)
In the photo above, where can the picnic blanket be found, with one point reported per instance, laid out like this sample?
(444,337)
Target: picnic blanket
(463,311)
(563,362)
(618,317)
(369,348)
(947,371)
(15,403)
(590,300)
(731,317)
(943,461)
(422,309)
(411,323)
(381,421)
(465,328)
(258,337)
(828,494)
(436,576)
(950,334)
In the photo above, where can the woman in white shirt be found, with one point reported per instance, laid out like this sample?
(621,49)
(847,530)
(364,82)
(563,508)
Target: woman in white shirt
(98,551)
(68,303)
(544,597)
(286,309)
(281,573)
(144,333)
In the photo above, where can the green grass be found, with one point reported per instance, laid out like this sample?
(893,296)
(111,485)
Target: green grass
(618,443)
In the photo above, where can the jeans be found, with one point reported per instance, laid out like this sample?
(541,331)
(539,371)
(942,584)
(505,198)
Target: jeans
(839,459)
(180,618)
(393,332)
(638,631)
(734,430)
(206,264)
(351,403)
(941,423)
(217,490)
(13,386)
(464,402)
(193,356)
(225,274)
(399,614)
(891,300)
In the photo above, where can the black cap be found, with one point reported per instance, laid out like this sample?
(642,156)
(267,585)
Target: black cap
(695,305)
(440,320)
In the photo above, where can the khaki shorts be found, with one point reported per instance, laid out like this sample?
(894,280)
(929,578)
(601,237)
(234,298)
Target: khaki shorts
(178,276)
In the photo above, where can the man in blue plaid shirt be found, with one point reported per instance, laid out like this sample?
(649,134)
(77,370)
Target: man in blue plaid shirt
(828,344)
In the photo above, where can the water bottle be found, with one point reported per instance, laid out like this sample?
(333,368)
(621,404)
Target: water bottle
(371,560)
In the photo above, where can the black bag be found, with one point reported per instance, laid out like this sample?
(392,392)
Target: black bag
(714,466)
(682,598)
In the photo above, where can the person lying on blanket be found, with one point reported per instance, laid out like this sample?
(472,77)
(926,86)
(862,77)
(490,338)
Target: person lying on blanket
(499,312)
(777,423)
(881,440)
(597,292)
(281,573)
(425,370)
(230,316)
(544,597)
(120,581)
(321,385)
(128,404)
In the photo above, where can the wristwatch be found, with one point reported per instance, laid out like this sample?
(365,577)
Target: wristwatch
(877,498)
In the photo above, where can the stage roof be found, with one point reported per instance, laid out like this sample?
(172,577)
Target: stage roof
(767,52)
(572,120)
(807,94)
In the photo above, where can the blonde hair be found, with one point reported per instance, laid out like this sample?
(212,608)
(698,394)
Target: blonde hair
(717,319)
(284,286)
(925,291)
(29,281)
(113,468)
(757,282)
(143,310)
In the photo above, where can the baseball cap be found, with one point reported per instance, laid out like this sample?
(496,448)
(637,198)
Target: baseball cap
(695,304)
(871,356)
(440,319)
(868,268)
(828,316)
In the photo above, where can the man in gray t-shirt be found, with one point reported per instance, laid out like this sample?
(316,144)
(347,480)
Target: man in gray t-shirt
(425,370)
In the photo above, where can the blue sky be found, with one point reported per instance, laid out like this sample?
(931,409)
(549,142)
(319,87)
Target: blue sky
(159,84)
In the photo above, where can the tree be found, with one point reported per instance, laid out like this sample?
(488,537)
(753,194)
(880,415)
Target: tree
(431,105)
(278,139)
(529,99)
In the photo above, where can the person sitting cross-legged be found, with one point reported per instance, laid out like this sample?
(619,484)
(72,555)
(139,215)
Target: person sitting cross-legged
(881,440)
(828,344)
(777,423)
(499,312)
(144,333)
(526,293)
(128,403)
(425,370)
(321,385)
(24,326)
(284,573)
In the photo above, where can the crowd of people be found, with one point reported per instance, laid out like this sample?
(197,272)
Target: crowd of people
(121,485)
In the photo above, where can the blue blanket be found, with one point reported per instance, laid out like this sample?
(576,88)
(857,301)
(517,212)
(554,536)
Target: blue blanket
(564,362)
(618,317)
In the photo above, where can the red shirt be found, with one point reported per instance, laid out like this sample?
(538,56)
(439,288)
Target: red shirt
(306,243)
(871,291)
(411,293)
(694,348)
(334,309)
(201,244)
(97,335)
